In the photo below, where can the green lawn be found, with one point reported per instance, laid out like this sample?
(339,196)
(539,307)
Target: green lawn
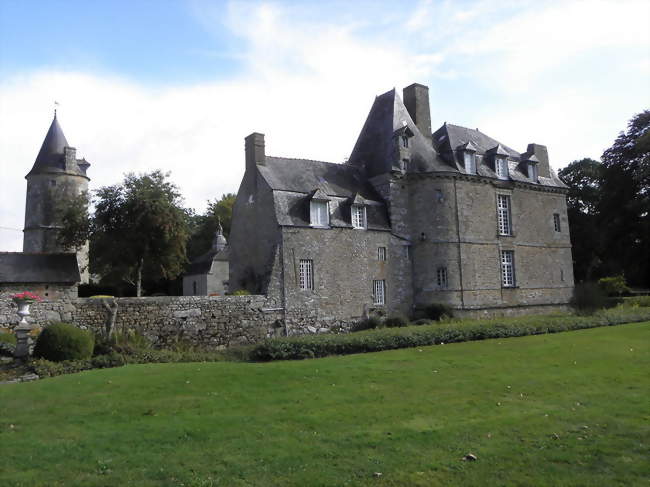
(563,409)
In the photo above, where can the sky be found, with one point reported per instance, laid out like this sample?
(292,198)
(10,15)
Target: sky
(177,85)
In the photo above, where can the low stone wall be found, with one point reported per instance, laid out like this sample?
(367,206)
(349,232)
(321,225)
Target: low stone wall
(214,321)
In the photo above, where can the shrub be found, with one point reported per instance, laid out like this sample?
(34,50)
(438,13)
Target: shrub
(643,301)
(422,321)
(588,297)
(308,346)
(241,292)
(47,368)
(614,286)
(62,341)
(9,338)
(369,323)
(437,311)
(396,321)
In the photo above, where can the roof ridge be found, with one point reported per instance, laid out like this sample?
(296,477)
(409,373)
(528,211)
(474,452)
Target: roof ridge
(307,160)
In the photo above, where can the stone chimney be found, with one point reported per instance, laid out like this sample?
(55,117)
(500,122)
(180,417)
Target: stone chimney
(541,152)
(254,151)
(416,100)
(70,159)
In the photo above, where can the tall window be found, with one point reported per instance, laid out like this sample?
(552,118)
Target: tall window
(532,171)
(508,268)
(501,164)
(405,141)
(556,222)
(381,253)
(319,213)
(503,212)
(358,216)
(306,274)
(194,288)
(470,163)
(379,292)
(441,274)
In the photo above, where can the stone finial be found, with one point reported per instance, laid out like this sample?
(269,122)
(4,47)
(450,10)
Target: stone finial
(219,242)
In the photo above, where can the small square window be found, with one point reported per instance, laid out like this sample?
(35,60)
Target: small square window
(556,222)
(381,253)
(501,167)
(319,213)
(379,292)
(358,216)
(470,163)
(306,274)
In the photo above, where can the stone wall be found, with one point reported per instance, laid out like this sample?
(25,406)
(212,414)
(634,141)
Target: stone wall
(217,321)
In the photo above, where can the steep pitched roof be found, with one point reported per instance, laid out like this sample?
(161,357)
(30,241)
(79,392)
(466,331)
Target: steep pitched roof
(375,146)
(20,267)
(450,137)
(51,157)
(203,263)
(303,176)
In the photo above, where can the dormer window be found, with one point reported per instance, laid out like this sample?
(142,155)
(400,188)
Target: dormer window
(319,213)
(470,162)
(405,141)
(359,216)
(532,171)
(501,167)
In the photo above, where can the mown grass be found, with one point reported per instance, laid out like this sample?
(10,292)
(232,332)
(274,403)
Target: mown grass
(562,409)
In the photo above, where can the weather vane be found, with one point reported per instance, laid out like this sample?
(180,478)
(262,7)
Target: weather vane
(56,104)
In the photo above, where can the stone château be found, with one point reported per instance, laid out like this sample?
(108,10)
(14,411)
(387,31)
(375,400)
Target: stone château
(413,217)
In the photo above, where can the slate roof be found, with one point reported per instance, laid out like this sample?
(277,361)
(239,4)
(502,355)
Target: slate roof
(21,267)
(51,156)
(449,138)
(375,146)
(203,264)
(305,176)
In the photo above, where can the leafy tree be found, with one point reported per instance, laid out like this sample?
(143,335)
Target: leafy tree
(609,208)
(624,205)
(584,178)
(72,212)
(204,226)
(138,230)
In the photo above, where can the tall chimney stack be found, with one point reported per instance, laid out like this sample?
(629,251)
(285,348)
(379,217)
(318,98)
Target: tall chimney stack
(416,100)
(254,144)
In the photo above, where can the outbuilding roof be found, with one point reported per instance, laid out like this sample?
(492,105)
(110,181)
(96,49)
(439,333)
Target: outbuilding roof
(21,267)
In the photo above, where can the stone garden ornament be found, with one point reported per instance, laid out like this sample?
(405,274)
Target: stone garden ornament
(23,341)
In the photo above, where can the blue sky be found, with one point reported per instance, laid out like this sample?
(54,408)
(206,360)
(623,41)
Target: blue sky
(177,85)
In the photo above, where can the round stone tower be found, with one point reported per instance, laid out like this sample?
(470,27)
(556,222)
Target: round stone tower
(56,175)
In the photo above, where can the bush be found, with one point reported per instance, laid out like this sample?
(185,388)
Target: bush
(47,368)
(62,341)
(614,286)
(643,301)
(369,323)
(422,321)
(588,297)
(241,292)
(437,311)
(9,338)
(308,346)
(396,321)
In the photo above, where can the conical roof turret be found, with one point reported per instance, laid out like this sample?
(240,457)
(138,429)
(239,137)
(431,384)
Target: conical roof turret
(52,153)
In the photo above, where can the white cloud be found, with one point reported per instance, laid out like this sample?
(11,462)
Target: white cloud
(308,86)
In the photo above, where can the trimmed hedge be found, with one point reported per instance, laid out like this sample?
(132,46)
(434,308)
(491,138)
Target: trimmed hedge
(62,341)
(313,346)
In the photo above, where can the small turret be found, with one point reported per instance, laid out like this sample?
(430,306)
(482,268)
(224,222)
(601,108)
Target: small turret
(219,242)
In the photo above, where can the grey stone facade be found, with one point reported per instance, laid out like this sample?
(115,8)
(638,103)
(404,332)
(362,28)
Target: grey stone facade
(208,274)
(462,219)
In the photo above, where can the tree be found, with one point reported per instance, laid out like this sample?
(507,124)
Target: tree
(204,226)
(138,228)
(584,179)
(624,206)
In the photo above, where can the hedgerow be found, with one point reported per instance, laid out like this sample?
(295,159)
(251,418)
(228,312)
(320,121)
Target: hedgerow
(313,346)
